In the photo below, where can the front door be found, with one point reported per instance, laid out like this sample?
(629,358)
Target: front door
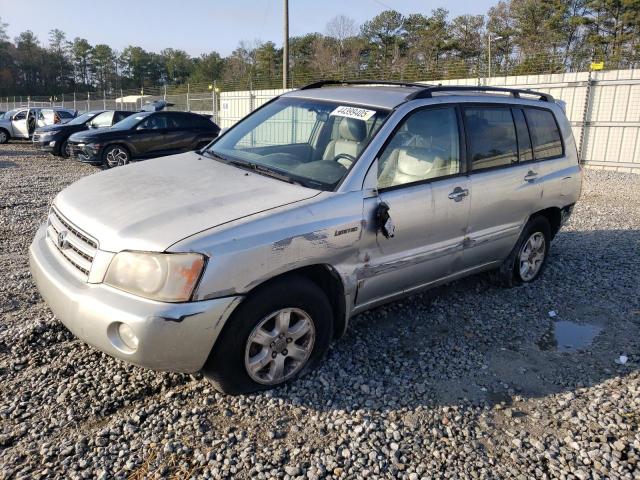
(19,124)
(422,181)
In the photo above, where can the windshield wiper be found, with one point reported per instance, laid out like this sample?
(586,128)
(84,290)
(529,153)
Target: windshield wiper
(255,167)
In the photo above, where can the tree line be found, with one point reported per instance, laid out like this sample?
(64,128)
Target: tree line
(524,36)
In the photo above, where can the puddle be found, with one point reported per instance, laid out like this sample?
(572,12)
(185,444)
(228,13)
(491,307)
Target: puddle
(569,337)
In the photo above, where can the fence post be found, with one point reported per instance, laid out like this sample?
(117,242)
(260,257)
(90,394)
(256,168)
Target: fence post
(63,100)
(88,100)
(165,93)
(214,98)
(586,114)
(121,100)
(188,102)
(74,101)
(104,99)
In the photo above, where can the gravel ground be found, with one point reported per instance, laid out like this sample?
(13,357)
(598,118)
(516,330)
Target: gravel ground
(465,381)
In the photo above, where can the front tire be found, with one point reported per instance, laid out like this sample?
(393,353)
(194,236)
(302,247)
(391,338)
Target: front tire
(65,150)
(115,156)
(280,332)
(529,256)
(4,136)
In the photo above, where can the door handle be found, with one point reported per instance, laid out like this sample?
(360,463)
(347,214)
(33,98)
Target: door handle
(530,176)
(458,194)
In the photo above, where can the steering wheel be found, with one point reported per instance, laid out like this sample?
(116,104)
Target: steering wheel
(350,159)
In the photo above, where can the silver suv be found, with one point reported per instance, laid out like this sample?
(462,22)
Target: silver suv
(244,260)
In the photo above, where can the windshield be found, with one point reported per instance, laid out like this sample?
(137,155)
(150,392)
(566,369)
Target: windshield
(130,122)
(82,118)
(9,114)
(310,142)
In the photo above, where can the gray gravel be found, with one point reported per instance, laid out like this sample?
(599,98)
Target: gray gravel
(464,381)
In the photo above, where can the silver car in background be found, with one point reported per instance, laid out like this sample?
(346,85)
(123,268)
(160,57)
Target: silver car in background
(22,122)
(244,260)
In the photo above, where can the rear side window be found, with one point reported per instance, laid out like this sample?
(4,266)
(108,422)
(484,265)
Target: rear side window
(544,134)
(491,135)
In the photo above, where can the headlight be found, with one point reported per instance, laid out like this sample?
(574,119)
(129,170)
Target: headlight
(167,277)
(47,134)
(92,146)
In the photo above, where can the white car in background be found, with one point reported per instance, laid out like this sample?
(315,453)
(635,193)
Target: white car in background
(22,122)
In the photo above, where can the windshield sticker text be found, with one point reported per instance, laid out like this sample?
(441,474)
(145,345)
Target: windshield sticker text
(353,112)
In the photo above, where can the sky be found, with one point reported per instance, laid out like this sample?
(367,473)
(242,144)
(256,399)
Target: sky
(199,26)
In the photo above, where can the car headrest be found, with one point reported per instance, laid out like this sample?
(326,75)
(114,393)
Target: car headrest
(352,129)
(416,162)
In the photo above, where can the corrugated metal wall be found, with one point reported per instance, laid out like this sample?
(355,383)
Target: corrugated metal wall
(604,110)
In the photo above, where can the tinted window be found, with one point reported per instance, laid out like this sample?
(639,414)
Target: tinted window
(64,114)
(524,141)
(492,137)
(21,115)
(117,116)
(185,121)
(155,122)
(425,146)
(544,134)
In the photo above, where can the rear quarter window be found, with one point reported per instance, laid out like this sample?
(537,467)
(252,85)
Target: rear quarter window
(545,135)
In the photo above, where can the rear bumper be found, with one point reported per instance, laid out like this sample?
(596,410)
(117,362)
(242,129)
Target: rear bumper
(173,337)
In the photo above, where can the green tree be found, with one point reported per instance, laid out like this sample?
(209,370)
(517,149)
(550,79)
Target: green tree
(81,53)
(103,66)
(384,35)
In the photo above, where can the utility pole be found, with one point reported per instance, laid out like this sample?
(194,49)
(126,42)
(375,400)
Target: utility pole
(285,47)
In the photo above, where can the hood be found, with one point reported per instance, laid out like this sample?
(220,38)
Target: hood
(50,128)
(153,204)
(91,135)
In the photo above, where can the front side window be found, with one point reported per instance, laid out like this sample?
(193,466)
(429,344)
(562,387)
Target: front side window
(544,134)
(154,122)
(311,142)
(102,120)
(491,137)
(20,115)
(425,146)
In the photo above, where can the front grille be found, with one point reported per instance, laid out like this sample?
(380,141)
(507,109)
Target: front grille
(76,247)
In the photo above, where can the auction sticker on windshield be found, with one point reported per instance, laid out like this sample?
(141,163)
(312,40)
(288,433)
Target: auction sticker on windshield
(353,112)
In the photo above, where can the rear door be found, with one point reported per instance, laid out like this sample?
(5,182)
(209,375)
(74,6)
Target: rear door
(423,181)
(186,130)
(503,176)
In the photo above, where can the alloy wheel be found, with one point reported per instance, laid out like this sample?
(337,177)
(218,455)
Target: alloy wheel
(532,256)
(279,346)
(117,157)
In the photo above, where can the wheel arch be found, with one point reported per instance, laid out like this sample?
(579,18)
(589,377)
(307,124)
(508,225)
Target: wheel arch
(553,216)
(329,281)
(7,132)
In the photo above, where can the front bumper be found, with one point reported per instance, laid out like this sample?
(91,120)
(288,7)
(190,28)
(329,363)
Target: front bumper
(84,153)
(174,337)
(45,144)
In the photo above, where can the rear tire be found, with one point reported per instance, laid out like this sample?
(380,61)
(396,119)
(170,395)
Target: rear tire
(529,256)
(251,355)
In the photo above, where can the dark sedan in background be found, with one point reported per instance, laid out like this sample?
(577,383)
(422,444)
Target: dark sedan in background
(54,138)
(144,135)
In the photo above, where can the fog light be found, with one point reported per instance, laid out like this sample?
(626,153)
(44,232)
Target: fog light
(125,332)
(52,144)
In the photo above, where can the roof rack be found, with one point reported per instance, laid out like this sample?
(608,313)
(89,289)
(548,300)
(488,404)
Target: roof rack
(428,90)
(324,83)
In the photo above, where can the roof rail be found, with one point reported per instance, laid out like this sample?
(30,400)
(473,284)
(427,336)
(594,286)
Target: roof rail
(324,83)
(427,91)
